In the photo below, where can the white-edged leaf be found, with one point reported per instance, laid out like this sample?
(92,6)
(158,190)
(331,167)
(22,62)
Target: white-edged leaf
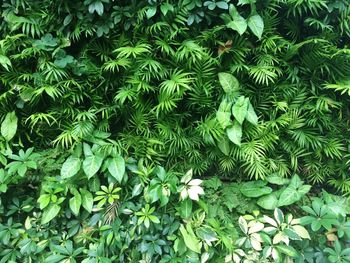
(301,231)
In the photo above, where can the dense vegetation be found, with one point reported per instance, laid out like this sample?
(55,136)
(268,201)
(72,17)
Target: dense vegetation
(174,131)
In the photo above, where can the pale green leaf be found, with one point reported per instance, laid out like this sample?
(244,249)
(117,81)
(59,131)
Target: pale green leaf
(9,126)
(70,167)
(50,213)
(239,109)
(228,82)
(92,164)
(191,241)
(238,24)
(255,189)
(251,115)
(87,199)
(75,203)
(234,133)
(256,25)
(116,167)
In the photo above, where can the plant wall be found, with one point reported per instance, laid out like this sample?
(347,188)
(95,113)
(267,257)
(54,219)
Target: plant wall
(113,112)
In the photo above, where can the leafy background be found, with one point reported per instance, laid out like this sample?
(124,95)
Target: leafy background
(99,93)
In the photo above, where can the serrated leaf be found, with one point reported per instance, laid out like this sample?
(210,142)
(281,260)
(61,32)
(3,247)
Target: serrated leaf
(228,82)
(50,213)
(256,25)
(234,133)
(116,167)
(9,126)
(238,24)
(70,167)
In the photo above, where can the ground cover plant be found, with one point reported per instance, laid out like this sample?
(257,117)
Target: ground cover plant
(174,131)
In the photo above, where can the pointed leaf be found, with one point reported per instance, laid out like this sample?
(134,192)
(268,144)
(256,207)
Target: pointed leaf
(75,203)
(92,164)
(234,133)
(228,82)
(238,24)
(50,213)
(251,115)
(9,126)
(239,109)
(87,199)
(116,166)
(256,25)
(70,167)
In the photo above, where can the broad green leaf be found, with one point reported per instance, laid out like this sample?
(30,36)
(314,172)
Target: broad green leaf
(96,6)
(191,241)
(276,179)
(9,126)
(239,109)
(70,167)
(224,118)
(287,250)
(243,224)
(256,25)
(151,11)
(251,115)
(224,146)
(50,213)
(255,189)
(165,8)
(238,24)
(301,231)
(206,234)
(228,82)
(234,133)
(75,203)
(44,201)
(92,164)
(186,208)
(116,166)
(87,199)
(268,202)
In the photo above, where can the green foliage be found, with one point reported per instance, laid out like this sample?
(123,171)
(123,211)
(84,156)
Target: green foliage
(237,90)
